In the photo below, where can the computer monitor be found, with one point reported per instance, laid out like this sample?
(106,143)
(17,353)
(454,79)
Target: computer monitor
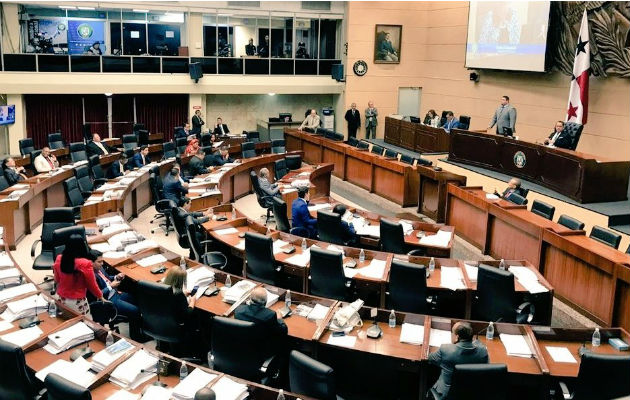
(286,117)
(415,120)
(274,119)
(7,114)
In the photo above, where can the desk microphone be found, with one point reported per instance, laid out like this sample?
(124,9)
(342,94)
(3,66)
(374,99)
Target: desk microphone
(31,321)
(158,382)
(374,331)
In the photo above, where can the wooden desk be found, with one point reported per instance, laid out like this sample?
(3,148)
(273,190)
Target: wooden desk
(416,137)
(432,190)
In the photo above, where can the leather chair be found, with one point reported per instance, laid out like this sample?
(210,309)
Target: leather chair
(73,194)
(55,141)
(496,298)
(543,209)
(253,136)
(278,146)
(61,235)
(329,227)
(169,150)
(280,168)
(464,122)
(310,377)
(326,276)
(106,314)
(77,152)
(263,200)
(259,260)
(352,141)
(206,139)
(575,131)
(423,161)
(390,153)
(181,144)
(54,218)
(443,118)
(517,199)
(479,381)
(214,259)
(628,249)
(600,377)
(248,149)
(143,136)
(16,382)
(571,222)
(31,166)
(58,388)
(376,149)
(407,159)
(4,184)
(363,145)
(179,222)
(407,287)
(162,206)
(338,137)
(280,213)
(294,161)
(130,142)
(26,146)
(97,171)
(605,236)
(393,239)
(176,130)
(86,186)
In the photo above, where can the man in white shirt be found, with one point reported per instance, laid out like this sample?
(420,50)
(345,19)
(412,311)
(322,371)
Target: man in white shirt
(46,161)
(311,122)
(97,147)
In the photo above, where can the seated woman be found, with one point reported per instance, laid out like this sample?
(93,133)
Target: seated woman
(175,278)
(192,147)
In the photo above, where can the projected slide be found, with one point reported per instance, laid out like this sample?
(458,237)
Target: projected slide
(510,35)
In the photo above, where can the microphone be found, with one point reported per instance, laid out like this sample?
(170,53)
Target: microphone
(158,382)
(31,321)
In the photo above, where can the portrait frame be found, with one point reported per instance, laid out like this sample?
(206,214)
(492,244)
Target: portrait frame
(382,51)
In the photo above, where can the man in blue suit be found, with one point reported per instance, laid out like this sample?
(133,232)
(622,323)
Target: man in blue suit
(173,187)
(451,122)
(300,215)
(141,158)
(124,302)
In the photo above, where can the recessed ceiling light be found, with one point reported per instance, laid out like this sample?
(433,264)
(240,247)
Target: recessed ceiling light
(271,94)
(108,94)
(140,11)
(68,7)
(87,8)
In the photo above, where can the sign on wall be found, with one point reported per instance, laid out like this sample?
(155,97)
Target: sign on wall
(84,33)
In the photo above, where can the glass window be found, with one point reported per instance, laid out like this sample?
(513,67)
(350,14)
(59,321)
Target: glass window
(244,36)
(134,33)
(328,44)
(225,37)
(209,35)
(306,37)
(281,37)
(164,32)
(46,30)
(86,32)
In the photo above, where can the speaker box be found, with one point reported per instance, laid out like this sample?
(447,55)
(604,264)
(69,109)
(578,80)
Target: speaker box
(195,71)
(337,72)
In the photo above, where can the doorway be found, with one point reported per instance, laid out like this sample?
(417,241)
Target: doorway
(409,101)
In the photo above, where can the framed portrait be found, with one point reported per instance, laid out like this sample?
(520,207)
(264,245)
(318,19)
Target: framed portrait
(387,44)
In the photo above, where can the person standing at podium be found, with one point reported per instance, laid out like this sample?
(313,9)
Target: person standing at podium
(504,117)
(354,120)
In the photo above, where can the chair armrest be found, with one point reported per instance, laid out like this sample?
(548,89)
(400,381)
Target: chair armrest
(86,194)
(565,391)
(34,246)
(267,364)
(525,313)
(417,252)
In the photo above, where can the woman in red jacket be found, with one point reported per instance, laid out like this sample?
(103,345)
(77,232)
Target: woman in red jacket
(74,276)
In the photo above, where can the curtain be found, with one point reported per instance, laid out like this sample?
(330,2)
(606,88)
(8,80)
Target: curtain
(96,113)
(162,112)
(122,115)
(49,113)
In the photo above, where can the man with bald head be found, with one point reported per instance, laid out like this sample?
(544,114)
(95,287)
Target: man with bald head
(96,147)
(267,187)
(514,186)
(257,312)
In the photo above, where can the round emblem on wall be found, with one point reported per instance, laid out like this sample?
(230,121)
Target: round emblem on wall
(519,159)
(360,68)
(85,31)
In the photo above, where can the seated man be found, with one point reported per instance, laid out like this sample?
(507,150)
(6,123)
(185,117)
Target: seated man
(349,236)
(311,122)
(195,165)
(300,215)
(12,173)
(183,132)
(462,351)
(451,122)
(124,302)
(268,188)
(257,312)
(173,187)
(96,147)
(141,158)
(221,157)
(513,186)
(118,167)
(46,161)
(220,129)
(199,218)
(559,138)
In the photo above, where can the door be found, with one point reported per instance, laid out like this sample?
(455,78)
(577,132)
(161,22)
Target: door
(409,101)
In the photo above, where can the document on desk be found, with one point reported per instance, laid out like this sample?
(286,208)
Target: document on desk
(157,393)
(342,341)
(237,291)
(438,337)
(114,255)
(278,245)
(138,247)
(130,375)
(115,228)
(318,313)
(5,325)
(103,247)
(186,389)
(300,259)
(336,249)
(123,395)
(107,221)
(452,278)
(350,272)
(471,271)
(240,245)
(561,354)
(10,277)
(317,207)
(77,372)
(210,192)
(528,279)
(66,338)
(108,355)
(516,345)
(369,230)
(412,334)
(407,227)
(227,389)
(5,260)
(374,270)
(25,307)
(200,276)
(440,239)
(15,291)
(226,231)
(197,190)
(23,337)
(151,260)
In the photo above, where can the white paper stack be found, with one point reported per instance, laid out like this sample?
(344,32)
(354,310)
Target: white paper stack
(15,291)
(115,228)
(528,279)
(412,334)
(452,278)
(342,341)
(240,245)
(23,337)
(407,227)
(300,259)
(77,372)
(120,240)
(107,221)
(24,307)
(441,239)
(105,357)
(516,345)
(202,276)
(237,291)
(151,260)
(471,271)
(561,354)
(226,231)
(5,325)
(298,183)
(10,277)
(186,389)
(129,375)
(278,245)
(374,270)
(20,186)
(272,298)
(368,230)
(317,207)
(138,247)
(157,393)
(66,338)
(5,260)
(123,395)
(336,249)
(197,190)
(438,337)
(126,181)
(491,196)
(318,312)
(114,254)
(227,389)
(103,247)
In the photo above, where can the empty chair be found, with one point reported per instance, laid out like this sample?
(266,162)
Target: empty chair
(294,161)
(407,287)
(280,168)
(259,260)
(4,184)
(181,144)
(605,236)
(280,213)
(55,141)
(326,276)
(352,141)
(571,222)
(310,377)
(54,218)
(214,259)
(407,159)
(337,137)
(86,186)
(278,146)
(77,152)
(390,153)
(97,172)
(16,382)
(206,139)
(169,150)
(392,237)
(363,145)
(129,142)
(263,200)
(543,209)
(517,199)
(253,136)
(464,122)
(58,388)
(329,227)
(26,146)
(479,382)
(376,149)
(73,194)
(600,377)
(248,149)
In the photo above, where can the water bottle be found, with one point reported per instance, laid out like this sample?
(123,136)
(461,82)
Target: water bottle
(210,360)
(183,371)
(182,263)
(109,340)
(597,338)
(287,299)
(280,395)
(502,265)
(431,265)
(490,331)
(228,282)
(233,212)
(362,256)
(304,245)
(392,319)
(52,309)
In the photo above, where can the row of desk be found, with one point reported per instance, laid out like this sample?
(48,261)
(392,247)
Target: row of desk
(416,137)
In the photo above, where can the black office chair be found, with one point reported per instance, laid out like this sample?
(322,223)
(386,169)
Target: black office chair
(338,137)
(243,349)
(61,235)
(407,287)
(181,144)
(517,199)
(543,209)
(106,314)
(329,227)
(479,382)
(280,168)
(443,118)
(55,141)
(263,200)
(16,382)
(407,159)
(248,149)
(575,131)
(259,260)
(253,136)
(605,236)
(628,249)
(326,276)
(294,161)
(169,150)
(600,377)
(278,146)
(26,146)
(162,206)
(74,196)
(4,184)
(77,152)
(464,122)
(206,139)
(496,298)
(571,222)
(424,161)
(393,239)
(214,259)
(390,153)
(280,213)
(176,130)
(376,149)
(363,145)
(352,141)
(86,186)
(58,388)
(130,142)
(97,171)
(54,218)
(208,158)
(310,377)
(31,165)
(179,222)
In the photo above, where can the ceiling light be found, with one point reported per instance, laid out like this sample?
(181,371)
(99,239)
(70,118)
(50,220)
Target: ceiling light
(140,11)
(108,94)
(87,8)
(271,94)
(68,7)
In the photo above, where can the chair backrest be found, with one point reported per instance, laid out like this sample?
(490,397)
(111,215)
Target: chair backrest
(602,376)
(26,146)
(495,295)
(193,240)
(157,190)
(103,312)
(390,153)
(407,287)
(338,137)
(479,382)
(517,198)
(278,146)
(179,221)
(206,139)
(407,159)
(464,122)
(59,388)
(392,237)
(260,196)
(169,150)
(329,227)
(248,149)
(571,222)
(310,377)
(14,380)
(3,181)
(75,198)
(280,214)
(326,274)
(55,141)
(605,236)
(143,136)
(424,161)
(181,143)
(280,168)
(352,141)
(82,173)
(376,149)
(161,311)
(294,161)
(61,235)
(129,142)
(575,131)
(253,136)
(77,152)
(55,218)
(363,145)
(443,118)
(34,155)
(543,209)
(259,258)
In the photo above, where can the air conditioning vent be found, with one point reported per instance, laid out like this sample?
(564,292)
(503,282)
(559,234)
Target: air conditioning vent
(251,4)
(316,5)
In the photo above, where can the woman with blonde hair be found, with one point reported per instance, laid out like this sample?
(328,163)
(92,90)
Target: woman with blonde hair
(176,279)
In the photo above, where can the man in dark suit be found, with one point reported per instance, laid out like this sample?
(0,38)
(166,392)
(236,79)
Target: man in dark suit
(513,186)
(257,312)
(559,138)
(348,235)
(300,215)
(250,48)
(124,302)
(173,187)
(183,132)
(220,129)
(12,173)
(462,351)
(354,120)
(221,157)
(96,147)
(197,123)
(141,158)
(451,122)
(118,167)
(268,188)
(195,165)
